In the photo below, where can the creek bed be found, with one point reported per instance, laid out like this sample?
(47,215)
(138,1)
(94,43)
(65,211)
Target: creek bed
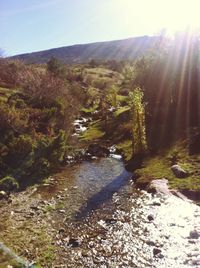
(97,218)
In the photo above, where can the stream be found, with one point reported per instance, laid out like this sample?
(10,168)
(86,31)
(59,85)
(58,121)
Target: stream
(99,219)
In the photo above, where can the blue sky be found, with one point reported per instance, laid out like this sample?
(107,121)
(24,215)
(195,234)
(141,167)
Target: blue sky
(33,25)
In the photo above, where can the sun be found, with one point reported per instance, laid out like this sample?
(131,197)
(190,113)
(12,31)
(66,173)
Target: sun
(182,16)
(151,16)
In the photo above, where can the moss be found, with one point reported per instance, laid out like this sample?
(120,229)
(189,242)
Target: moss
(160,167)
(126,149)
(154,168)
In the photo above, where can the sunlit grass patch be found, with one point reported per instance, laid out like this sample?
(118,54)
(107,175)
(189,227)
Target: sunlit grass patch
(93,132)
(122,98)
(5,93)
(160,167)
(121,110)
(154,168)
(91,109)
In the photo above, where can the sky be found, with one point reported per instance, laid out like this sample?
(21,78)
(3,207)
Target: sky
(34,25)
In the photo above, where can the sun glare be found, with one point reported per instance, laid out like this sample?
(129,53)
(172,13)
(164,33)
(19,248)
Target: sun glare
(182,16)
(152,16)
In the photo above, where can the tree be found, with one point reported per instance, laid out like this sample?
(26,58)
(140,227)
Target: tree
(92,63)
(139,144)
(57,68)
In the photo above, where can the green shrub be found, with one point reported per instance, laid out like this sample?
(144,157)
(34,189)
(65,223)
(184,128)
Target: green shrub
(19,148)
(8,184)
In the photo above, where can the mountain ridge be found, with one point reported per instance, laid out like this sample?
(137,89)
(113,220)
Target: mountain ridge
(123,49)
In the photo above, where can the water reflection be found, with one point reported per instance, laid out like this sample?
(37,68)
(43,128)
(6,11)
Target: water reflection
(87,185)
(104,194)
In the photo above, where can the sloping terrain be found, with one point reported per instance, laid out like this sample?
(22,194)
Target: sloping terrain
(127,49)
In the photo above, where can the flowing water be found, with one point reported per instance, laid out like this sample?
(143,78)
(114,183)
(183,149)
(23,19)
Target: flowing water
(104,221)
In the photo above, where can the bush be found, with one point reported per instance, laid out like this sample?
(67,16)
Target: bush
(57,68)
(8,184)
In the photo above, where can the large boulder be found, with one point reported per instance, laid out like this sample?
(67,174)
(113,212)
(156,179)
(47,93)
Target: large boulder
(179,172)
(97,150)
(159,186)
(195,234)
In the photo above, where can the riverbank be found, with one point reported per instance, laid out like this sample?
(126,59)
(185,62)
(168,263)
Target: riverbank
(92,215)
(159,166)
(82,215)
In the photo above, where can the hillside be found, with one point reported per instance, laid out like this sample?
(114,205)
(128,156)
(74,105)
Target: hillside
(127,49)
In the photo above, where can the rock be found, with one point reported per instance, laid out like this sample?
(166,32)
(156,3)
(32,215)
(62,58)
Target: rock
(150,243)
(156,251)
(33,265)
(61,211)
(110,221)
(3,195)
(194,234)
(85,253)
(112,149)
(97,260)
(43,202)
(150,218)
(97,150)
(155,203)
(191,241)
(196,262)
(61,231)
(116,156)
(179,172)
(73,242)
(34,207)
(159,186)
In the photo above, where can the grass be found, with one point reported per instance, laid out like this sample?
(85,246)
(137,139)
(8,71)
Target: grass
(93,133)
(98,71)
(122,98)
(60,205)
(103,74)
(46,255)
(37,241)
(126,148)
(121,110)
(160,167)
(49,208)
(5,93)
(90,110)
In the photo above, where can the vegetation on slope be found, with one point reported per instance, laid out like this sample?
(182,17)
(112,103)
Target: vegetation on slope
(148,103)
